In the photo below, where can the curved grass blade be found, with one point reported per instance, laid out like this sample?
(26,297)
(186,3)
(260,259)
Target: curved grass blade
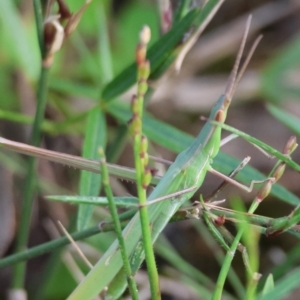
(163,49)
(181,10)
(260,144)
(272,84)
(55,244)
(156,54)
(69,126)
(290,121)
(68,87)
(291,259)
(18,43)
(269,285)
(283,287)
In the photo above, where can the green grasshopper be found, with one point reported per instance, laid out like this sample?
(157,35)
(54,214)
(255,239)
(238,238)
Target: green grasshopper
(177,186)
(188,171)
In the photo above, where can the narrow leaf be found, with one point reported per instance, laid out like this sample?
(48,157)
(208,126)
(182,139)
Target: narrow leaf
(283,287)
(156,54)
(102,201)
(89,182)
(287,119)
(269,285)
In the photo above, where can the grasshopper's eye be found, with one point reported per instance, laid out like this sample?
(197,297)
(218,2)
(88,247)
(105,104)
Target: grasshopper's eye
(220,116)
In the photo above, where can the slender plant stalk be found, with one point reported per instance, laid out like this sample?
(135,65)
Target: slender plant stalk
(143,174)
(146,232)
(30,184)
(228,260)
(260,144)
(53,245)
(118,228)
(38,14)
(219,255)
(54,43)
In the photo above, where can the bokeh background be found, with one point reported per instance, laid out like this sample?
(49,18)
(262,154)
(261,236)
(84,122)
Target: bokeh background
(270,86)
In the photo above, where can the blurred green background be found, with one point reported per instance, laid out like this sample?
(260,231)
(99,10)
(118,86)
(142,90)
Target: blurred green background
(266,106)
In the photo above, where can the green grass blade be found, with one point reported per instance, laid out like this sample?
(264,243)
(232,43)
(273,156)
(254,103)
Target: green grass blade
(158,131)
(283,287)
(118,228)
(273,86)
(101,201)
(261,144)
(156,54)
(31,178)
(73,88)
(162,49)
(69,126)
(164,248)
(52,245)
(232,277)
(17,44)
(291,259)
(90,63)
(181,10)
(90,182)
(269,285)
(104,51)
(290,121)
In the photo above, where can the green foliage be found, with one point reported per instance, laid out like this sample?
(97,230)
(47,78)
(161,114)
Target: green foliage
(85,102)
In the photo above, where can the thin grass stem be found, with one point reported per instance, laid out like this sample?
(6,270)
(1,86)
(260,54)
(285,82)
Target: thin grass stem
(118,228)
(30,183)
(53,245)
(38,14)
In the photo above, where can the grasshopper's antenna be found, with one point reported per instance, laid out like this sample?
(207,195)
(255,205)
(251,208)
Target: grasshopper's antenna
(232,78)
(246,62)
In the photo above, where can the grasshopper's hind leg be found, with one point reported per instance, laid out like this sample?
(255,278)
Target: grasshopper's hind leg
(236,183)
(232,174)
